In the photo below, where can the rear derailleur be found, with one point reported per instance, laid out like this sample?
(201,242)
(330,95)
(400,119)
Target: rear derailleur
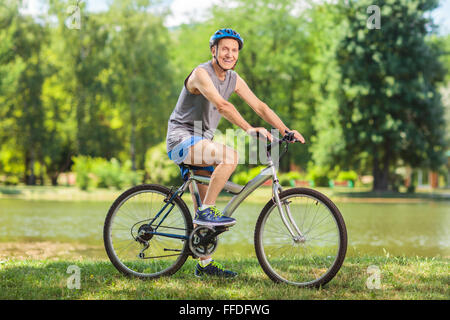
(145,233)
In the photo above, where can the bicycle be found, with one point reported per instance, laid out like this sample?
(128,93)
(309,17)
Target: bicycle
(300,236)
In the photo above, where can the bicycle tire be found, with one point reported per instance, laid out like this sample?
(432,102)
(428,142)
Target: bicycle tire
(342,234)
(108,242)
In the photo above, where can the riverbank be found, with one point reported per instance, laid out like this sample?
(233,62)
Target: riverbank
(400,278)
(261,195)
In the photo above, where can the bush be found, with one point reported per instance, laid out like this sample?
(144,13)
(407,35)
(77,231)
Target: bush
(288,178)
(11,180)
(240,178)
(112,174)
(319,176)
(160,168)
(101,173)
(245,176)
(82,168)
(347,176)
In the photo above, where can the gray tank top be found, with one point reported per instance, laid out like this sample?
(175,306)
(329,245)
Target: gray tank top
(196,115)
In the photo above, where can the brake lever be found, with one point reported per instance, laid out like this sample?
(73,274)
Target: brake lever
(289,136)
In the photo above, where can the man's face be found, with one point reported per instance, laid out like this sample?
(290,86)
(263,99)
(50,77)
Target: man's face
(228,52)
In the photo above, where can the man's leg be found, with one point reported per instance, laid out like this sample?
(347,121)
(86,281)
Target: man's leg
(202,189)
(206,153)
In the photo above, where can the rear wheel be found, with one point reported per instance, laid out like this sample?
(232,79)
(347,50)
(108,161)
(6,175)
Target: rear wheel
(129,238)
(308,262)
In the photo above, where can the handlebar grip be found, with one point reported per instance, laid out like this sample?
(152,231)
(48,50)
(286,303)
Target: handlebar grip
(288,137)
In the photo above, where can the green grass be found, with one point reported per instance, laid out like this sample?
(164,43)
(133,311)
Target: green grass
(401,278)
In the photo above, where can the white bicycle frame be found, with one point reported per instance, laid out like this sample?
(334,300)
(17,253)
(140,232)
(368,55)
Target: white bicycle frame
(242,192)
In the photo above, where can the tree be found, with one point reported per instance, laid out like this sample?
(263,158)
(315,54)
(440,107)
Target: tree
(22,110)
(141,75)
(443,43)
(327,28)
(389,105)
(11,68)
(85,74)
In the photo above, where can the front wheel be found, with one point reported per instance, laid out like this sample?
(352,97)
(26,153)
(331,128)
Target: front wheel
(311,261)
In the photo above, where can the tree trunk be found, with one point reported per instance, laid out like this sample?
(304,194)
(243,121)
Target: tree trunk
(54,180)
(80,111)
(133,134)
(31,179)
(41,173)
(380,172)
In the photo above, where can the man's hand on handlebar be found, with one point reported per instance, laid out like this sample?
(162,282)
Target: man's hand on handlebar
(260,132)
(293,136)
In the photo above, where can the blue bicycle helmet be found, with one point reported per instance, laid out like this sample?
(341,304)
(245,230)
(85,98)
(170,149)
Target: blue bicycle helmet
(226,33)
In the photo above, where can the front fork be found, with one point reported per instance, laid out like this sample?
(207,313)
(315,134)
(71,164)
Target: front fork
(297,236)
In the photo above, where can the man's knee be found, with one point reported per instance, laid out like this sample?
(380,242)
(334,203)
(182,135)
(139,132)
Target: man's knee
(231,157)
(213,153)
(224,154)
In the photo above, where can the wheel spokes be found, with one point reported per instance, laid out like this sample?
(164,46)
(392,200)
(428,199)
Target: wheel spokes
(301,262)
(162,252)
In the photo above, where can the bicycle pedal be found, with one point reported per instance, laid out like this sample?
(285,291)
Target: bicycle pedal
(221,228)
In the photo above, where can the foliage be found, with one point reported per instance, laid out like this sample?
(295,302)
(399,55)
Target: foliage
(245,176)
(21,72)
(347,176)
(318,175)
(113,174)
(140,74)
(443,43)
(160,169)
(82,167)
(365,100)
(97,91)
(287,179)
(388,101)
(101,173)
(328,27)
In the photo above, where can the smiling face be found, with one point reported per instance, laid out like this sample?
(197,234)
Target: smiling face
(228,52)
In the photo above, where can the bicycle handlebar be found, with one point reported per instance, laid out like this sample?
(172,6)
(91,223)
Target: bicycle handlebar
(288,138)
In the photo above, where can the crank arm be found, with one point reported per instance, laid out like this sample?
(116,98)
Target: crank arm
(175,250)
(217,232)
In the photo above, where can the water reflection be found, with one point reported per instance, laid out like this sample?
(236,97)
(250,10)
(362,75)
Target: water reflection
(401,229)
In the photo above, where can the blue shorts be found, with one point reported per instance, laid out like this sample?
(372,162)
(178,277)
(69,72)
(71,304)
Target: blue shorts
(180,152)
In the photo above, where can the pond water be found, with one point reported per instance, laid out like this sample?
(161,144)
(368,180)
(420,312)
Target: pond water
(410,229)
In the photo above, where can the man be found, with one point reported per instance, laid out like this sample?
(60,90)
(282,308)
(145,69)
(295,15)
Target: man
(203,100)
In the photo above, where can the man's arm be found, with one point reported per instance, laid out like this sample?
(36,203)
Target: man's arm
(263,109)
(200,80)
